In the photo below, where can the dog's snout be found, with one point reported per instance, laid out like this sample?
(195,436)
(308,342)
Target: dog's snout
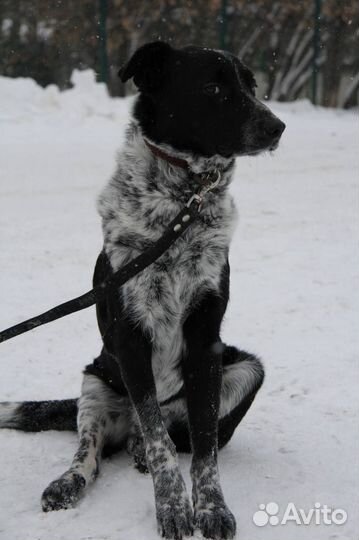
(267,131)
(274,127)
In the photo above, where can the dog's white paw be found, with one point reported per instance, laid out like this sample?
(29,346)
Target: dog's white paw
(136,449)
(64,492)
(174,519)
(216,521)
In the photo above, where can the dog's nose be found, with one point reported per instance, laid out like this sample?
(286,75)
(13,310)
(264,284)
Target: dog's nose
(273,127)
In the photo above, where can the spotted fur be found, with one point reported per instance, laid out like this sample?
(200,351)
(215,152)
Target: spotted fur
(103,418)
(159,298)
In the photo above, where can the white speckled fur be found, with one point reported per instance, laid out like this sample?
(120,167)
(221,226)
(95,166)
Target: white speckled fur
(238,381)
(103,417)
(142,197)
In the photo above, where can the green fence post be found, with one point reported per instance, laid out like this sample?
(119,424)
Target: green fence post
(223,25)
(316,46)
(103,72)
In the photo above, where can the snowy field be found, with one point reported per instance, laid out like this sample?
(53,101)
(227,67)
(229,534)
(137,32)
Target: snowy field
(294,302)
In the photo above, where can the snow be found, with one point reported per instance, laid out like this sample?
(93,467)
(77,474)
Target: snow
(294,301)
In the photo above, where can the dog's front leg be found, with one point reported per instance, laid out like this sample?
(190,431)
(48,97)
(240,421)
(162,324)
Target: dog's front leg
(173,508)
(202,368)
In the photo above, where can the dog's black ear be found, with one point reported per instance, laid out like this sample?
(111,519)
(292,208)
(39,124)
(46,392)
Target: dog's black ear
(146,66)
(247,74)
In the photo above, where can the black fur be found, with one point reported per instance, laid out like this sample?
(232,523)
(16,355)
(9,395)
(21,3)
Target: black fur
(177,104)
(44,415)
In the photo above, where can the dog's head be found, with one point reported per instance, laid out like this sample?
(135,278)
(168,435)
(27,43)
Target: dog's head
(201,101)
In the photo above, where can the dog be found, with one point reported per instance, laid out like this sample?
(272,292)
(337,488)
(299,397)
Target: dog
(164,381)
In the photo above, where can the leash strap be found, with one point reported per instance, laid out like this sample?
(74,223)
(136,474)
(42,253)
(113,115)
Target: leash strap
(175,229)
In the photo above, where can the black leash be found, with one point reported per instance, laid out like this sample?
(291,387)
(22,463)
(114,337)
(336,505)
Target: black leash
(175,229)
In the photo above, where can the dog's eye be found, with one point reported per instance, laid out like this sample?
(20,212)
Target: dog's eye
(211,89)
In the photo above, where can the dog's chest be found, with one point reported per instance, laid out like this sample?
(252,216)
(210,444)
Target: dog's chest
(161,297)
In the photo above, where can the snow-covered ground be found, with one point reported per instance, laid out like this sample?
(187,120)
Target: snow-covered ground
(294,301)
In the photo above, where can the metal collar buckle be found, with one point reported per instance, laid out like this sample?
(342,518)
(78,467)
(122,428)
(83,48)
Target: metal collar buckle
(208,185)
(198,197)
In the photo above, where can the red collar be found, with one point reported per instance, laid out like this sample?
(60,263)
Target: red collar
(204,178)
(177,162)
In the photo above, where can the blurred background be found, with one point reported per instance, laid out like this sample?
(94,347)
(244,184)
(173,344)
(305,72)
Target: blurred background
(297,49)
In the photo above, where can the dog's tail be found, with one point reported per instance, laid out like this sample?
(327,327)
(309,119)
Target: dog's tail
(39,415)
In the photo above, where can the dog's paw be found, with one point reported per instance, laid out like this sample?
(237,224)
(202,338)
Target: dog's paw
(64,492)
(136,449)
(175,519)
(215,521)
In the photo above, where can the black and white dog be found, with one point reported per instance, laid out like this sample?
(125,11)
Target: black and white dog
(164,380)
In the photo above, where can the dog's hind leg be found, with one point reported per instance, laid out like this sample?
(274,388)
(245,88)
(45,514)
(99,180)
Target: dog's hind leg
(103,418)
(242,377)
